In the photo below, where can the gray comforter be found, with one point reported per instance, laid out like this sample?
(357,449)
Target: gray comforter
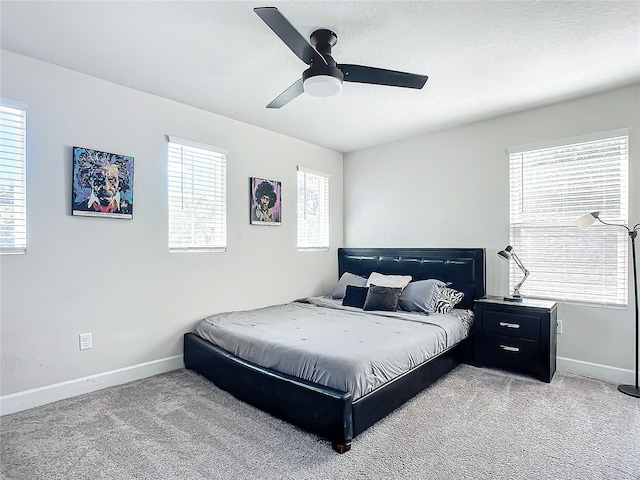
(345,348)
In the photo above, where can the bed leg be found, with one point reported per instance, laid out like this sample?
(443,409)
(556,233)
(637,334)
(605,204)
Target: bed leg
(340,447)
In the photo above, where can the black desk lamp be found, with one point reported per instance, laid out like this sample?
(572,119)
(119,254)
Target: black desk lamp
(508,254)
(585,222)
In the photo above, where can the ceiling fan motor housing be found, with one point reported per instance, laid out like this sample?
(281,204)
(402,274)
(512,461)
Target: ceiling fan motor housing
(323,80)
(327,70)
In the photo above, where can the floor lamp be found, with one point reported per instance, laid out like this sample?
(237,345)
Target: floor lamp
(585,222)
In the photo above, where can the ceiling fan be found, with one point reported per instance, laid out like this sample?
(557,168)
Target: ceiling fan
(324,76)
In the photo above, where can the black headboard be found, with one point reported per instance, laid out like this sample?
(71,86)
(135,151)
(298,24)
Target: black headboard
(463,267)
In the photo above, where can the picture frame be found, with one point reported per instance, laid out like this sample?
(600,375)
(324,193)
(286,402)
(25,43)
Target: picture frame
(102,184)
(265,201)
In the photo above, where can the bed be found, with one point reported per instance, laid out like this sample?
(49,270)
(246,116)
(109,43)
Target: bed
(337,413)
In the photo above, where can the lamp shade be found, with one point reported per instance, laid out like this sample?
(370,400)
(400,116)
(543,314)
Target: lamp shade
(322,86)
(506,253)
(586,220)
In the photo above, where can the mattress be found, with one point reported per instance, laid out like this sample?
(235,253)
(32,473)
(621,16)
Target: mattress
(320,340)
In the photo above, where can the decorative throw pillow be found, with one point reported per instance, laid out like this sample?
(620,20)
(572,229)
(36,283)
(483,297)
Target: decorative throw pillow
(395,281)
(347,278)
(418,296)
(445,300)
(355,296)
(382,298)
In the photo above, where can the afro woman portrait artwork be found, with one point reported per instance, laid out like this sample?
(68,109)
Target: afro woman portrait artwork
(265,202)
(102,184)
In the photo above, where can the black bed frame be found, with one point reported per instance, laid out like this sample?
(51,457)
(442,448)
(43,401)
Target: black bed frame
(331,413)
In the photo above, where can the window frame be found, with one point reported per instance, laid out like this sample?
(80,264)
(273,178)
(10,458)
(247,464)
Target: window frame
(218,216)
(20,243)
(324,243)
(583,269)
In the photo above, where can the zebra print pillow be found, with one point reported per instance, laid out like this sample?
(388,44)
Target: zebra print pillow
(445,300)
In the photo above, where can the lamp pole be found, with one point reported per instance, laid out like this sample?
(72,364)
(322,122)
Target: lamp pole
(516,290)
(632,390)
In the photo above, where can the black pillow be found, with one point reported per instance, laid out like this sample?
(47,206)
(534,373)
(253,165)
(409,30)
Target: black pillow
(382,298)
(355,296)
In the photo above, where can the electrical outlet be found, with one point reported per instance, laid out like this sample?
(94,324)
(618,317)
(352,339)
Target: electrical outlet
(85,341)
(559,327)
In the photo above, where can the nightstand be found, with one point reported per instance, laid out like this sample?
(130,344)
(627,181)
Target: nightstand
(518,336)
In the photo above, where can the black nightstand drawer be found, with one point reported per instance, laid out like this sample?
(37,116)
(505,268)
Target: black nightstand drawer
(510,348)
(516,335)
(513,325)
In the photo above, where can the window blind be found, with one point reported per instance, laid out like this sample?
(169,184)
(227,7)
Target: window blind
(13,180)
(549,188)
(313,210)
(197,197)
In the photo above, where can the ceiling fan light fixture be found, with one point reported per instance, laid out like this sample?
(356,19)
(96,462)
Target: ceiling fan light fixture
(322,86)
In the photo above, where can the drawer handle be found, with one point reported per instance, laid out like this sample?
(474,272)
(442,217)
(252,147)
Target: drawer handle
(509,325)
(509,349)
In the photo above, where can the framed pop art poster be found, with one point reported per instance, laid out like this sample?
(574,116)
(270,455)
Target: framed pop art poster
(265,201)
(102,184)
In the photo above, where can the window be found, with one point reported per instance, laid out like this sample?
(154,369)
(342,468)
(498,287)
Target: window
(313,210)
(13,180)
(551,186)
(197,197)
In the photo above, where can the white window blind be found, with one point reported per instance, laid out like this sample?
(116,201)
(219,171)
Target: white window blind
(197,197)
(13,180)
(550,188)
(313,210)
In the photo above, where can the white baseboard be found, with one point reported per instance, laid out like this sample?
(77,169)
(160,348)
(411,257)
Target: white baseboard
(595,370)
(36,397)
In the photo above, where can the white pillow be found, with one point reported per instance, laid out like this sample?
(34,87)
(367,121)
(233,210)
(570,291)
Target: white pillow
(394,281)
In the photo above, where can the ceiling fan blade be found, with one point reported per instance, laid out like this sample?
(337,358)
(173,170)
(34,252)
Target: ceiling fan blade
(289,94)
(380,76)
(289,35)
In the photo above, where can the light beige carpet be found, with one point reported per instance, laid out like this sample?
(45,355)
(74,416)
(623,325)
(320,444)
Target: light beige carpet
(472,424)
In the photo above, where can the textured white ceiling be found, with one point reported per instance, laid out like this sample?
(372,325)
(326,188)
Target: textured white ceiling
(483,58)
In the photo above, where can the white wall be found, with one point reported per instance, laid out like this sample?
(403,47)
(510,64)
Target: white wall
(116,278)
(451,189)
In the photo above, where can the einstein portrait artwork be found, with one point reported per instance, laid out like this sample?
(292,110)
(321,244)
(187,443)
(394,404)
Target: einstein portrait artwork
(265,202)
(102,184)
